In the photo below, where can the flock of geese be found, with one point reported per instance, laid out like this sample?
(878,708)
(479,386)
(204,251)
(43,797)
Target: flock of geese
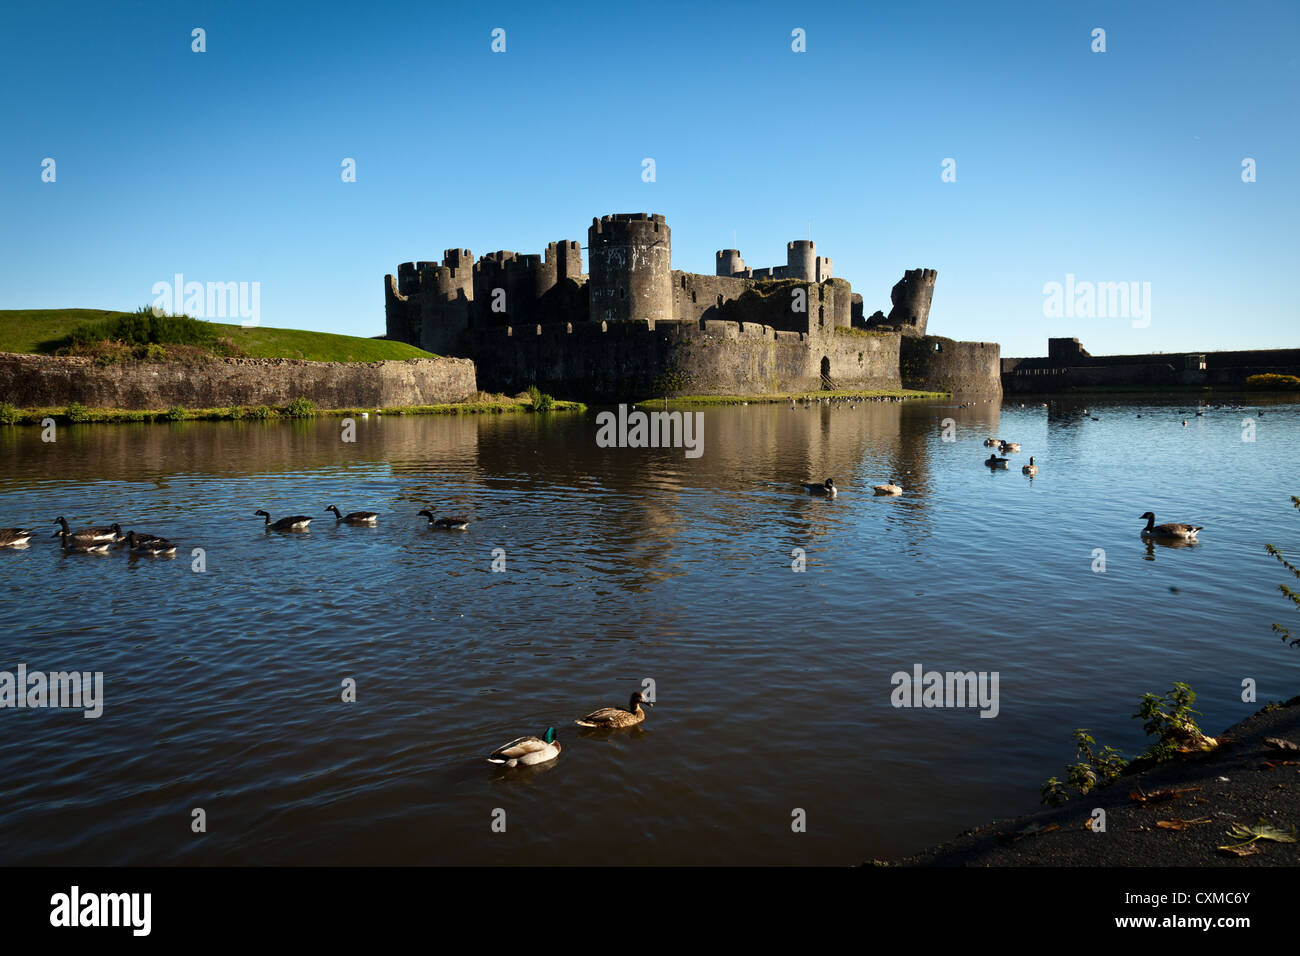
(1171,531)
(91,540)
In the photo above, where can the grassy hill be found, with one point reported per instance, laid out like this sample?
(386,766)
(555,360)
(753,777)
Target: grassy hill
(28,330)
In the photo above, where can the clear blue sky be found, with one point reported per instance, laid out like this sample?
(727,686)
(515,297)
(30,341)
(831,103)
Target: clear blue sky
(225,165)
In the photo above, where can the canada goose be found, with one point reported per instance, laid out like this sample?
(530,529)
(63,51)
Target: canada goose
(827,488)
(91,534)
(889,488)
(77,542)
(527,751)
(1031,468)
(993,461)
(1009,446)
(992,442)
(14,537)
(296,523)
(354,517)
(453,523)
(1153,530)
(149,544)
(610,717)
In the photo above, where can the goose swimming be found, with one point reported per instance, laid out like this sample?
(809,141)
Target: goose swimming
(612,717)
(1172,530)
(1031,468)
(527,751)
(93,534)
(295,523)
(354,517)
(1007,446)
(889,488)
(993,461)
(14,537)
(454,523)
(827,488)
(149,544)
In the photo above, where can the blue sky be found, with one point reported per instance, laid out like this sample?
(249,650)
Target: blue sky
(225,165)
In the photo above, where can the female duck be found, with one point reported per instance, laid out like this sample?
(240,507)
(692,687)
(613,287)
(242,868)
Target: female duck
(354,517)
(527,751)
(612,717)
(1184,532)
(295,523)
(827,488)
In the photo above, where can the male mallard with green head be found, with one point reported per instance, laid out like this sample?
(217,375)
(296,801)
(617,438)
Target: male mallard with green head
(527,751)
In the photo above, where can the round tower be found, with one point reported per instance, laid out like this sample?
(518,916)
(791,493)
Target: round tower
(729,262)
(629,258)
(801,259)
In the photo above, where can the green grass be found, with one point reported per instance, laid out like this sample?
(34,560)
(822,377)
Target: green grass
(80,414)
(772,398)
(24,330)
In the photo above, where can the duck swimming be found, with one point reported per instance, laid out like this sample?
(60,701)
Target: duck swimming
(527,751)
(612,717)
(1184,532)
(827,488)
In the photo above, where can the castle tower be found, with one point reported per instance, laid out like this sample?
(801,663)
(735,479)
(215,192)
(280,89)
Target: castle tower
(911,297)
(729,262)
(567,257)
(801,260)
(630,257)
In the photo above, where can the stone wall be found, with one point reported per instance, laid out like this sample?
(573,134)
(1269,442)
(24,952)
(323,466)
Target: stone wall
(42,381)
(935,363)
(623,361)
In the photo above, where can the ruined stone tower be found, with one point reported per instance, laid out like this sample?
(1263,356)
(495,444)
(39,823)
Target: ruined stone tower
(629,257)
(911,297)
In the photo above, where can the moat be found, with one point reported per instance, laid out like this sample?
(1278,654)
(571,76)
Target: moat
(222,688)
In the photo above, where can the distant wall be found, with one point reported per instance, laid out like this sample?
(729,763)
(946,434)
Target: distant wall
(41,381)
(1068,365)
(621,361)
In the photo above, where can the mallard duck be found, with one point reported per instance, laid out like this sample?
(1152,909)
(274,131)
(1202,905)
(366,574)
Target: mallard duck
(296,523)
(91,534)
(354,517)
(827,488)
(1184,531)
(1007,446)
(887,489)
(149,544)
(14,537)
(527,751)
(454,523)
(993,461)
(1031,468)
(610,717)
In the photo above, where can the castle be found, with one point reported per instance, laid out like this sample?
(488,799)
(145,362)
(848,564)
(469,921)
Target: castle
(633,327)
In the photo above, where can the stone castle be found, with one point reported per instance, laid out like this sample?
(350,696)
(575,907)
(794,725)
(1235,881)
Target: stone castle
(633,327)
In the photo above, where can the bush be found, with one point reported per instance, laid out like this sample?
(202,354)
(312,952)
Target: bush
(152,352)
(540,400)
(1281,630)
(301,408)
(142,327)
(76,412)
(8,414)
(177,413)
(259,412)
(1273,382)
(237,412)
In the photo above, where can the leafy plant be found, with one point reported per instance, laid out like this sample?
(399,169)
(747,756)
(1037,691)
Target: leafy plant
(540,400)
(1170,720)
(1281,629)
(177,413)
(301,408)
(260,412)
(1249,835)
(76,412)
(9,415)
